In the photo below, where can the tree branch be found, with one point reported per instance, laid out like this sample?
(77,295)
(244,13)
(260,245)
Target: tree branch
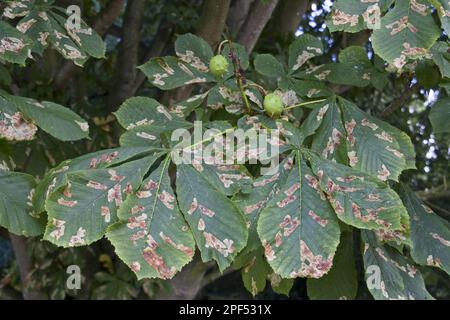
(106,18)
(19,245)
(289,15)
(212,21)
(103,22)
(401,100)
(436,193)
(238,13)
(127,60)
(259,15)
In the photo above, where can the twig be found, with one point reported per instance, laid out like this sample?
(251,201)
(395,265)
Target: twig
(301,104)
(239,74)
(20,245)
(401,100)
(127,59)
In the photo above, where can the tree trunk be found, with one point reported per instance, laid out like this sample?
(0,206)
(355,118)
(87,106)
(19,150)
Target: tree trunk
(127,59)
(289,15)
(20,248)
(237,15)
(259,15)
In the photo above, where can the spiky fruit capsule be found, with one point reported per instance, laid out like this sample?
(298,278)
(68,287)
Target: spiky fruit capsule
(218,65)
(273,105)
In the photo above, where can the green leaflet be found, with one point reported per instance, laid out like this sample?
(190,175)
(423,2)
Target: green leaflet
(80,211)
(255,272)
(5,76)
(191,65)
(138,111)
(170,73)
(21,115)
(390,275)
(56,177)
(358,199)
(251,204)
(341,282)
(440,56)
(329,139)
(218,225)
(366,70)
(443,9)
(56,120)
(356,15)
(152,237)
(46,25)
(304,48)
(14,45)
(406,32)
(356,55)
(182,109)
(427,74)
(375,147)
(314,120)
(308,88)
(343,73)
(13,125)
(269,66)
(279,285)
(194,51)
(16,210)
(440,116)
(348,135)
(298,228)
(430,234)
(226,95)
(145,120)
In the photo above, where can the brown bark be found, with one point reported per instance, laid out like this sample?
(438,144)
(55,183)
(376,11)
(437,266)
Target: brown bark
(212,21)
(289,14)
(127,59)
(237,15)
(106,18)
(103,22)
(20,248)
(401,100)
(260,13)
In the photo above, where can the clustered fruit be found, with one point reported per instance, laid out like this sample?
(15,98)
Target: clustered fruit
(273,105)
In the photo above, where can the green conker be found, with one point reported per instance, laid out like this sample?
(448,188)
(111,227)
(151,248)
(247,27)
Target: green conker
(218,65)
(273,105)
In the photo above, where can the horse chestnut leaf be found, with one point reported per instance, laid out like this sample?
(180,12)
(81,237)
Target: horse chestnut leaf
(273,105)
(218,65)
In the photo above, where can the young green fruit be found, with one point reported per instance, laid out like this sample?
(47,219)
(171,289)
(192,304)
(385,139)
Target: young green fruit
(273,105)
(218,65)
